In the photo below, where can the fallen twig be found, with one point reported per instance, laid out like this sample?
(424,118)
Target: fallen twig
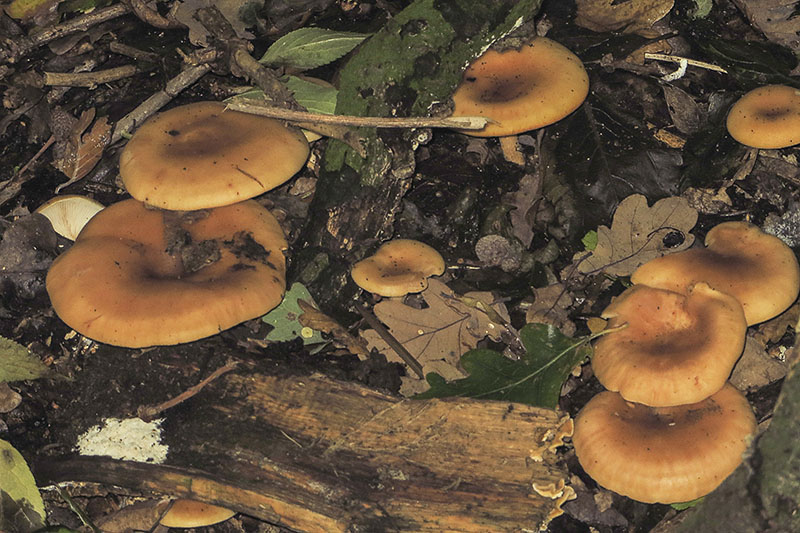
(89,79)
(389,339)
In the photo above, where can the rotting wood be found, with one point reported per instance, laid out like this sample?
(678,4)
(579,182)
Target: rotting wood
(314,454)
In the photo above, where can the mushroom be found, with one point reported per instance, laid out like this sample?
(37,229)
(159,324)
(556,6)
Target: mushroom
(199,155)
(676,349)
(521,89)
(399,267)
(191,513)
(758,269)
(766,117)
(120,284)
(68,214)
(663,454)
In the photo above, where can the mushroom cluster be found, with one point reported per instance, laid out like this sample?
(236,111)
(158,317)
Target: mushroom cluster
(191,254)
(666,372)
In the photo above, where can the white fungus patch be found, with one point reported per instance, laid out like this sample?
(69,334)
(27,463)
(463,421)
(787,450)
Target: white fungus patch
(130,439)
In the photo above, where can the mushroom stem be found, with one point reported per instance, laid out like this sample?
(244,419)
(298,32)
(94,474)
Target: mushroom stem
(404,354)
(265,110)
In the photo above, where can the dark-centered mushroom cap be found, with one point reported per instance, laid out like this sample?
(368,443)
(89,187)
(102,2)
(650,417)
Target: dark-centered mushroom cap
(120,284)
(676,349)
(190,513)
(758,269)
(663,454)
(521,90)
(200,155)
(766,117)
(399,267)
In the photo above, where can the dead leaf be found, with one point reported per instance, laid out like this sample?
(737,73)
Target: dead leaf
(551,307)
(198,35)
(756,367)
(437,335)
(776,19)
(628,16)
(524,201)
(77,153)
(773,330)
(687,115)
(640,233)
(315,319)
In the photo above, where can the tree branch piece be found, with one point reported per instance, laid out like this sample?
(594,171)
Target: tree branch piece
(389,339)
(89,79)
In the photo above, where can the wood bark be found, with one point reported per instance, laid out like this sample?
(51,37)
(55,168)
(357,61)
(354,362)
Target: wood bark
(314,454)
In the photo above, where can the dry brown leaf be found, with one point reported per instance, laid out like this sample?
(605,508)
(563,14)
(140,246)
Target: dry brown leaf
(524,200)
(777,20)
(437,335)
(756,367)
(773,330)
(628,16)
(78,153)
(551,307)
(637,235)
(315,319)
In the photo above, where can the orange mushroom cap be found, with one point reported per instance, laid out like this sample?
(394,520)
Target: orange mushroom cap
(521,90)
(120,285)
(191,513)
(663,454)
(766,117)
(200,155)
(399,267)
(676,349)
(758,269)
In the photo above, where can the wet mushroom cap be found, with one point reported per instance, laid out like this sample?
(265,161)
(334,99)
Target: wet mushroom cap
(758,269)
(521,90)
(140,277)
(68,214)
(676,348)
(191,513)
(766,117)
(199,155)
(663,454)
(399,267)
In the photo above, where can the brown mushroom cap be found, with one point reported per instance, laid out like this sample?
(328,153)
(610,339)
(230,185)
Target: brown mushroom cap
(191,513)
(200,155)
(757,269)
(399,267)
(118,284)
(663,454)
(676,348)
(766,117)
(521,90)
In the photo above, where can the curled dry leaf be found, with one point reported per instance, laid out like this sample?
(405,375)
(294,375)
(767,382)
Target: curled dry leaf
(79,152)
(639,233)
(628,16)
(551,306)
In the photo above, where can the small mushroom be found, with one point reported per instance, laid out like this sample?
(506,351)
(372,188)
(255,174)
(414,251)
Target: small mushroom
(521,89)
(200,155)
(663,454)
(399,267)
(757,269)
(191,513)
(676,349)
(68,214)
(120,284)
(766,117)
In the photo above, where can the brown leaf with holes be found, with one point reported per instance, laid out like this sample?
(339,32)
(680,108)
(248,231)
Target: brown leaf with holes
(639,233)
(437,335)
(627,16)
(77,152)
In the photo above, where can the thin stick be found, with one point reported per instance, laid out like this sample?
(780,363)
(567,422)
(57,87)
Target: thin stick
(464,123)
(75,508)
(148,412)
(89,79)
(389,339)
(692,62)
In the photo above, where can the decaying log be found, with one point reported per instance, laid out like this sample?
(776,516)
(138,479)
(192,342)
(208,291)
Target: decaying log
(314,454)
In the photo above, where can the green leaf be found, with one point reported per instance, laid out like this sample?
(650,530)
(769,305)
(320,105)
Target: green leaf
(309,48)
(316,98)
(685,505)
(17,363)
(536,379)
(590,240)
(284,318)
(21,505)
